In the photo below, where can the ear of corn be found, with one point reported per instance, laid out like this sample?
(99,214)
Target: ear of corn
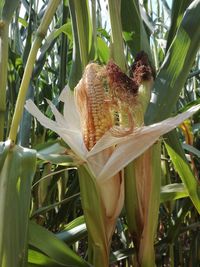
(108,99)
(97,107)
(142,177)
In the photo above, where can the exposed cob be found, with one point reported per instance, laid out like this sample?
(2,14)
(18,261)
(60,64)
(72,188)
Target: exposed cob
(105,98)
(90,95)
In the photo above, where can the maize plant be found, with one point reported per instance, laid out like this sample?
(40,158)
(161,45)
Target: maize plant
(91,173)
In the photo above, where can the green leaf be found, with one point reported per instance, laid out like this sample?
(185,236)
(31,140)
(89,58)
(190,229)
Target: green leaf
(49,244)
(74,231)
(176,66)
(76,68)
(102,50)
(172,192)
(177,156)
(66,29)
(178,9)
(23,22)
(54,152)
(132,24)
(16,176)
(36,258)
(43,210)
(76,222)
(191,149)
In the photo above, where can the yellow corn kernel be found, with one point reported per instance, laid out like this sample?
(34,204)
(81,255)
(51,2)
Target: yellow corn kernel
(90,96)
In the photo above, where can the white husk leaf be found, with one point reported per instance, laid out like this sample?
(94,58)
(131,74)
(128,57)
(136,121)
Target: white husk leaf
(126,149)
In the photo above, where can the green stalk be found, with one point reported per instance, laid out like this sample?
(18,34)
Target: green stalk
(81,29)
(76,68)
(94,22)
(117,40)
(7,9)
(63,49)
(3,73)
(40,35)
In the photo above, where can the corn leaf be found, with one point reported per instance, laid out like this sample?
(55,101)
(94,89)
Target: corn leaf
(49,244)
(54,152)
(72,235)
(191,149)
(178,9)
(36,259)
(167,87)
(76,68)
(172,192)
(102,50)
(16,174)
(182,167)
(133,24)
(176,66)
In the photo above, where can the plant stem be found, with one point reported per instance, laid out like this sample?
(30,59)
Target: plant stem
(40,34)
(82,36)
(3,73)
(76,68)
(94,22)
(63,50)
(116,37)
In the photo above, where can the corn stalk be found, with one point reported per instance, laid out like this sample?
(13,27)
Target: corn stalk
(40,35)
(5,19)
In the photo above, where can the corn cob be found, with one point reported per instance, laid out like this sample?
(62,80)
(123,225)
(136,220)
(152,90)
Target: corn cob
(105,97)
(90,96)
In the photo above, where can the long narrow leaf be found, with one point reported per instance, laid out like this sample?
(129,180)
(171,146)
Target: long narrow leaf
(49,244)
(133,25)
(16,176)
(178,9)
(176,66)
(181,166)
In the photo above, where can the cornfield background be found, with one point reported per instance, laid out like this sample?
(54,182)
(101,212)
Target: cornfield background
(45,45)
